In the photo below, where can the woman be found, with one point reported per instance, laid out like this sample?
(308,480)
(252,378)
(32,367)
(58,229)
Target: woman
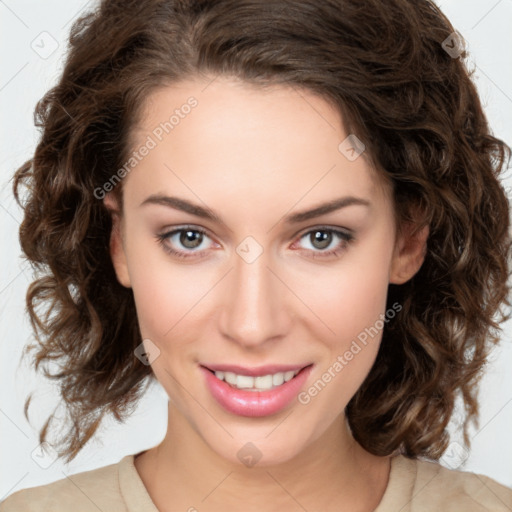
(289,214)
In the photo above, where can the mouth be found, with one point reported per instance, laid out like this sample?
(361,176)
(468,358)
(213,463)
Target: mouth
(256,379)
(263,394)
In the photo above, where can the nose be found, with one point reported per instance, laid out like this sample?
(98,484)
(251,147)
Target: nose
(254,308)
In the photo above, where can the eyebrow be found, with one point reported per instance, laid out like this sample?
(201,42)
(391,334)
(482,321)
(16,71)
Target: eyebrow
(206,213)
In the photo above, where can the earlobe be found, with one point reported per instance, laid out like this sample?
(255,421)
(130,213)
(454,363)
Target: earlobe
(116,247)
(409,254)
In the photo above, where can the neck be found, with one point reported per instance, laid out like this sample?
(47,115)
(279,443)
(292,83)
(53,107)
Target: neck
(333,473)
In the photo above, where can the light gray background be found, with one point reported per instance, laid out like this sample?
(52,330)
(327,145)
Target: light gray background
(27,72)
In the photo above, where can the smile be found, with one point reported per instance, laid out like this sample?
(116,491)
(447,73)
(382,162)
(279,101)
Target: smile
(255,395)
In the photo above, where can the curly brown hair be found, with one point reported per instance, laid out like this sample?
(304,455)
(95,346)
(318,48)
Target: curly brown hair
(415,106)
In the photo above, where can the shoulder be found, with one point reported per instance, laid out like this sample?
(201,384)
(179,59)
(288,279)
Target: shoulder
(434,487)
(93,490)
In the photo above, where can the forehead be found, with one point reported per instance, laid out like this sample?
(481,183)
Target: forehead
(274,141)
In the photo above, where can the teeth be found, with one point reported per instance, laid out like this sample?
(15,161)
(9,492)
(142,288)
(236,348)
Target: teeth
(244,382)
(289,376)
(278,379)
(261,383)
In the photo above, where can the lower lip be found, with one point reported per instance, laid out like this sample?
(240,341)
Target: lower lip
(255,403)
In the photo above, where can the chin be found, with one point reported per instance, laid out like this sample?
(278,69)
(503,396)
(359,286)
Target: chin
(261,446)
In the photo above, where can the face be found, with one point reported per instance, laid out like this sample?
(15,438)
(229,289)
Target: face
(227,268)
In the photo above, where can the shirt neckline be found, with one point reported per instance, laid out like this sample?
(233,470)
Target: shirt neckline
(399,491)
(133,491)
(397,496)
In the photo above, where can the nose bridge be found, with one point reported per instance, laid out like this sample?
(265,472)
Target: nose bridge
(253,311)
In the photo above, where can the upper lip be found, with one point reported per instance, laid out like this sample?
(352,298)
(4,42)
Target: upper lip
(255,371)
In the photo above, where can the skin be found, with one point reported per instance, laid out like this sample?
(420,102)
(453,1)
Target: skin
(252,156)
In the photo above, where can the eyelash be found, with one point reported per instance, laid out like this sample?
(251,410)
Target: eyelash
(345,237)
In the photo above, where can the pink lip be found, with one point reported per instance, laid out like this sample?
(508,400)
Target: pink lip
(255,403)
(255,371)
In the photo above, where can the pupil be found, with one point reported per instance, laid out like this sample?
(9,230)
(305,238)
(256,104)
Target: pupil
(322,239)
(191,239)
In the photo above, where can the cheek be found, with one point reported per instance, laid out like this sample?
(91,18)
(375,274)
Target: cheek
(166,294)
(350,301)
(350,297)
(169,299)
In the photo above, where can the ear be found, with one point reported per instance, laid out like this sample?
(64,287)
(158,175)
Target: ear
(116,246)
(409,253)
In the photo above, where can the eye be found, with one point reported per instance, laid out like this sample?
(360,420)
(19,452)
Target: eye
(322,238)
(191,241)
(184,242)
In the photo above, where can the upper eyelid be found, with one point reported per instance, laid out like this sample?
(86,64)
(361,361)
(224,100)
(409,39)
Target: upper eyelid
(324,227)
(168,232)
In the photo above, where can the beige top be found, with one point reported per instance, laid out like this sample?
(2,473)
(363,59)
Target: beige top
(414,486)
